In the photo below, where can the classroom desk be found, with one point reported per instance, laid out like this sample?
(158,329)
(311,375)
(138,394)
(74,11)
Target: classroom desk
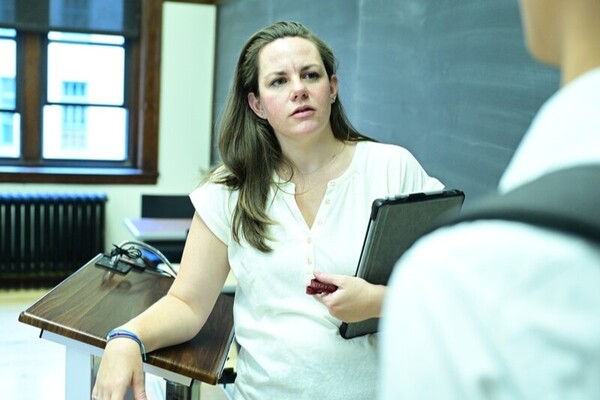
(158,229)
(165,234)
(81,310)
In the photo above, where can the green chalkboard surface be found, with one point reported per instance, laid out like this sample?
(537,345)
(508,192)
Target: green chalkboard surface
(450,80)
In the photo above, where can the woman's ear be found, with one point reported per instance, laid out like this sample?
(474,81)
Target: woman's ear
(256,106)
(333,87)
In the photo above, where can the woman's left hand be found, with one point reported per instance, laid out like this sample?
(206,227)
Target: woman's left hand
(354,300)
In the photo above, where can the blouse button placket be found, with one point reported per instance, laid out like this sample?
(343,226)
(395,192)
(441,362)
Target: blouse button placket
(309,267)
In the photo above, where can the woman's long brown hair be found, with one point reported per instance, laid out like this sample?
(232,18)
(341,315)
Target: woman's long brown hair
(248,148)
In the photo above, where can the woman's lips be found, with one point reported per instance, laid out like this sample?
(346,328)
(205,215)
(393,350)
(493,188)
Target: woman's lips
(302,112)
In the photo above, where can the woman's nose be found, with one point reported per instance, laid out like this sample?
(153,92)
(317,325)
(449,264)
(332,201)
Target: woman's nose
(299,91)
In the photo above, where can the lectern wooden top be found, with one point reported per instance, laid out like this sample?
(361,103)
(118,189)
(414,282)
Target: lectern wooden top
(94,300)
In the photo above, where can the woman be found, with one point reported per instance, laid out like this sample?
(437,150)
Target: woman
(289,203)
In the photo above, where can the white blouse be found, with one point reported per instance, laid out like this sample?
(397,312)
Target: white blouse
(290,344)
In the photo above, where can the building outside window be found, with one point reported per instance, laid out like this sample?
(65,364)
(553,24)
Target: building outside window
(74,119)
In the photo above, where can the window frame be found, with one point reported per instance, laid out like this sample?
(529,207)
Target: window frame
(144,121)
(144,89)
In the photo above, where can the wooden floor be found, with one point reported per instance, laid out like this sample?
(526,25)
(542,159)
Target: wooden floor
(33,368)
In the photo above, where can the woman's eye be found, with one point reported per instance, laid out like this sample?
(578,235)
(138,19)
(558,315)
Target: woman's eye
(312,75)
(278,82)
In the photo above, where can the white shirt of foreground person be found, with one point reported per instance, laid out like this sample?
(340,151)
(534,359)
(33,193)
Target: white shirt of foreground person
(503,310)
(290,344)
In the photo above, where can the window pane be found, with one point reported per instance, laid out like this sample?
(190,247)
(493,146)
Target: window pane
(86,38)
(10,136)
(100,68)
(119,17)
(74,132)
(8,68)
(8,32)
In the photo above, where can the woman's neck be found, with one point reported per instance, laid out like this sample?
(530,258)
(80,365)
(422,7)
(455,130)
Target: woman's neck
(580,49)
(313,159)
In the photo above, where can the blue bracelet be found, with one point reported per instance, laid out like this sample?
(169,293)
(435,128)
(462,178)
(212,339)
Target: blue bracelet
(123,333)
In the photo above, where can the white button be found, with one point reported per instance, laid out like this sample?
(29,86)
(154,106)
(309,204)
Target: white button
(309,261)
(327,201)
(332,183)
(309,240)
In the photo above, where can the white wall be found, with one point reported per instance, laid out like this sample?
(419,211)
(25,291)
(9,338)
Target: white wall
(185,118)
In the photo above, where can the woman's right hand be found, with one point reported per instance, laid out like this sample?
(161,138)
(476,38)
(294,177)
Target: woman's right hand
(120,368)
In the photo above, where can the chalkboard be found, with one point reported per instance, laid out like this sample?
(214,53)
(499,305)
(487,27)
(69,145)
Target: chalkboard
(450,80)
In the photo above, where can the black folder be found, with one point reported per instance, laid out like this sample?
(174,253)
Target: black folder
(394,225)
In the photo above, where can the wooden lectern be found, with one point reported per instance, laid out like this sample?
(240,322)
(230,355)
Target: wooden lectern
(81,310)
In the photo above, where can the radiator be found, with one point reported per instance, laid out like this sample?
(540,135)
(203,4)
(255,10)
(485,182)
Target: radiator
(44,237)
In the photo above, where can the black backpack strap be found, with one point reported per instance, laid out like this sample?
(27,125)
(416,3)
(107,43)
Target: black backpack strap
(567,200)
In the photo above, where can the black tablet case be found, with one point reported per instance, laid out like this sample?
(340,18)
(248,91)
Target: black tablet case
(395,224)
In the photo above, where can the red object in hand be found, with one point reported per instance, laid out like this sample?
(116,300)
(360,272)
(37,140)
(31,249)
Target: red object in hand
(317,287)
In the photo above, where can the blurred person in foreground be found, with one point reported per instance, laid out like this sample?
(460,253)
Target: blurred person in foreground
(504,310)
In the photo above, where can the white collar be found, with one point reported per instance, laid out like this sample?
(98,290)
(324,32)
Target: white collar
(565,132)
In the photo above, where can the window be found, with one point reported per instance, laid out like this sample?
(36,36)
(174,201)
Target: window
(85,114)
(9,119)
(73,79)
